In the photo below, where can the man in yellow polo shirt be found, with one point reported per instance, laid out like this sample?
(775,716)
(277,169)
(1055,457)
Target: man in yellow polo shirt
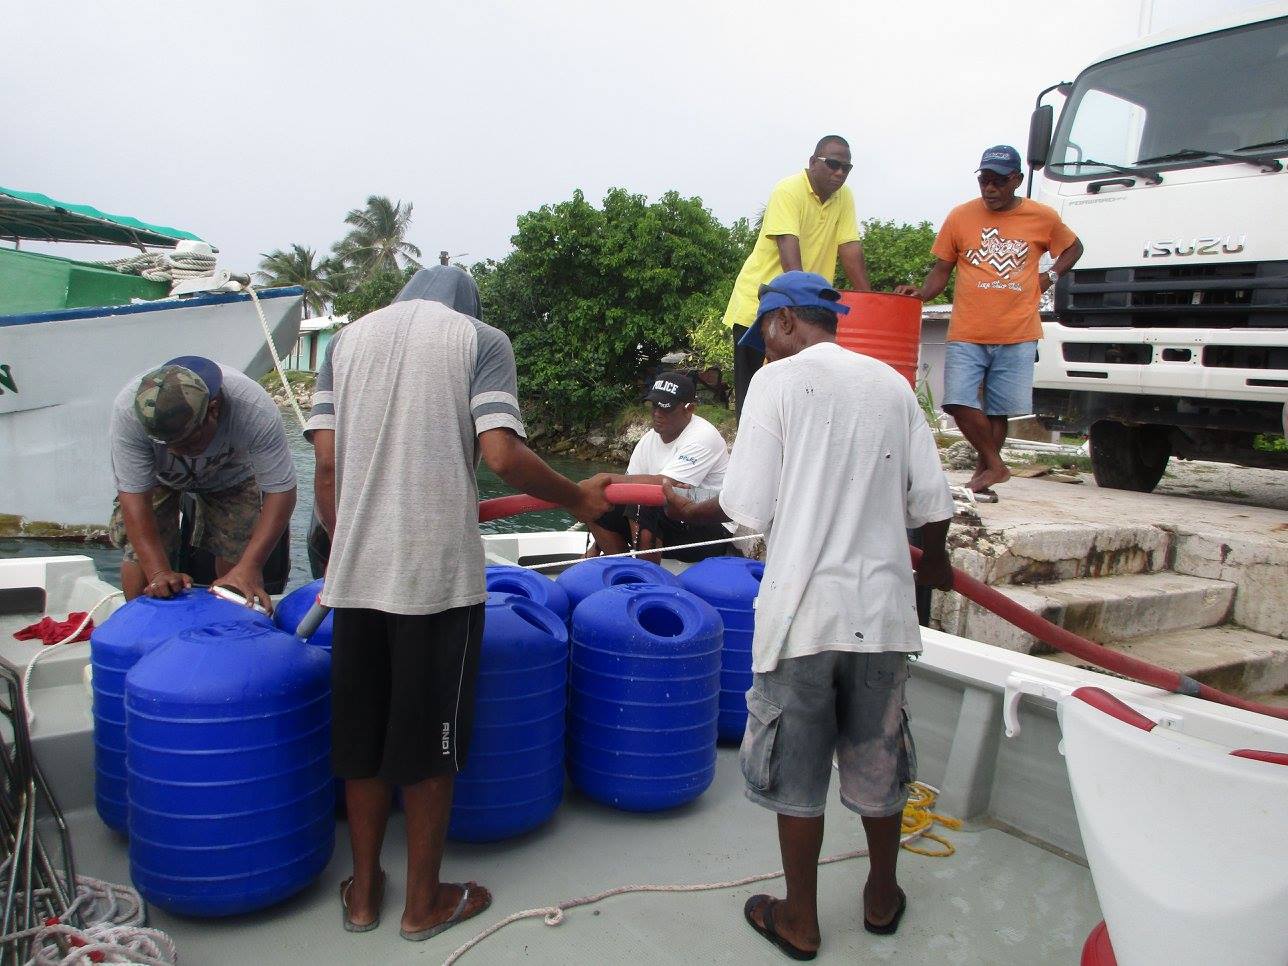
(808,222)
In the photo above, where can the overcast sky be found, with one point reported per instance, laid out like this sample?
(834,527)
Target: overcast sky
(257,124)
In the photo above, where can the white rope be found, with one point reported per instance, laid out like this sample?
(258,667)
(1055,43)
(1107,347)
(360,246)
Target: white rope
(49,648)
(635,553)
(277,360)
(114,916)
(554,915)
(165,267)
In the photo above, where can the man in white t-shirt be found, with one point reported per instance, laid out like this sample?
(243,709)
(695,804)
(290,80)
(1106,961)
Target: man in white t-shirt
(834,459)
(683,448)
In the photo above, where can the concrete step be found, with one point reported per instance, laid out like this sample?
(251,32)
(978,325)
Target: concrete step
(1042,553)
(1102,609)
(1230,658)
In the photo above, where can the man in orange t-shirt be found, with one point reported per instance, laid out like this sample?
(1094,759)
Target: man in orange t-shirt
(994,243)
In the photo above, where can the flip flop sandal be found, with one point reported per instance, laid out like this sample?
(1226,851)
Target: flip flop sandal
(888,928)
(349,924)
(769,931)
(422,934)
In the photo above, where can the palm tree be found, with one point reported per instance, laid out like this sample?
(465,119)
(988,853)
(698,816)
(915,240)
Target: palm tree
(298,267)
(377,241)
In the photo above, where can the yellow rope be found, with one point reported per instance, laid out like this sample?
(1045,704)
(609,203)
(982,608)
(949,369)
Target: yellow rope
(919,817)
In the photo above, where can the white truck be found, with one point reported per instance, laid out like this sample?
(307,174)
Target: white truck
(1170,337)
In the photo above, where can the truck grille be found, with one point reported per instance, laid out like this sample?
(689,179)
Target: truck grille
(1225,295)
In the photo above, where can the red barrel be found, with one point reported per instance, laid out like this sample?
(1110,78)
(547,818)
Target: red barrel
(885,327)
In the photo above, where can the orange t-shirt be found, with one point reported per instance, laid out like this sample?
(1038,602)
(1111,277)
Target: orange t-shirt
(996,253)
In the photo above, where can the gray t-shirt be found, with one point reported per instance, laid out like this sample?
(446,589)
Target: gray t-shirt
(407,389)
(249,441)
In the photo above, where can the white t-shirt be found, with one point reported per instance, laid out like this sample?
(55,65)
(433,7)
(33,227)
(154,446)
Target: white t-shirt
(834,459)
(698,456)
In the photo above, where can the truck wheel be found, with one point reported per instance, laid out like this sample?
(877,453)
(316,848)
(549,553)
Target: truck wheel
(1129,457)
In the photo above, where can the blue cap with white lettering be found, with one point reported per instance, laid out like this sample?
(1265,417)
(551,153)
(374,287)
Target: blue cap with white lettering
(1000,159)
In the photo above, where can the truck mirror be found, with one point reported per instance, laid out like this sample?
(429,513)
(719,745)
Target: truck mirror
(1040,135)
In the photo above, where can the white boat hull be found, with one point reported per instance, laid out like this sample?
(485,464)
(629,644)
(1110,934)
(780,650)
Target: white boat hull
(62,370)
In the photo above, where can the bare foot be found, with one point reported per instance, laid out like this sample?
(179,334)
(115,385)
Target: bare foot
(879,908)
(362,905)
(989,478)
(449,896)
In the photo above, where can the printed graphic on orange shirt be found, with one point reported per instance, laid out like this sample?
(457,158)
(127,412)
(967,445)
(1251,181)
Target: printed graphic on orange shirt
(1006,256)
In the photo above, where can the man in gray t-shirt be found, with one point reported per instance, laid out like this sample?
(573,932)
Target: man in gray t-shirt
(195,426)
(407,401)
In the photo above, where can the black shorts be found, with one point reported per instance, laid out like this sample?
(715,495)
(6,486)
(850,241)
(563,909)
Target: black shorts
(669,533)
(402,692)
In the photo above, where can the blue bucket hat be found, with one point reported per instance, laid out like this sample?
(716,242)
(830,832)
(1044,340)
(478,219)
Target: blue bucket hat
(792,290)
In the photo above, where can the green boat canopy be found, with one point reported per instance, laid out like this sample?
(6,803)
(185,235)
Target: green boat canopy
(31,215)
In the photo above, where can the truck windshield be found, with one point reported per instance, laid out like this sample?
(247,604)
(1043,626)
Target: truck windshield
(1169,106)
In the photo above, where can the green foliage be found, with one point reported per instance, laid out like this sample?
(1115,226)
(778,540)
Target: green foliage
(377,240)
(592,297)
(899,254)
(712,343)
(374,293)
(298,267)
(1270,443)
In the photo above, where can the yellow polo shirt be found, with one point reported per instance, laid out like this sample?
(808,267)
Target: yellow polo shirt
(821,226)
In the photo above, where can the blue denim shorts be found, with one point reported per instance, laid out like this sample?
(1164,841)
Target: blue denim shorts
(995,378)
(809,708)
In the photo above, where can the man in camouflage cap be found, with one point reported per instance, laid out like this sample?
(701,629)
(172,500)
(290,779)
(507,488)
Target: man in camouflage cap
(194,426)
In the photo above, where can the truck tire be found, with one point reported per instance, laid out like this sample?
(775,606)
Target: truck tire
(1129,457)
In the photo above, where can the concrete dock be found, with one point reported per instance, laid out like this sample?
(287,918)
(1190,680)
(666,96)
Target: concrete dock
(1195,584)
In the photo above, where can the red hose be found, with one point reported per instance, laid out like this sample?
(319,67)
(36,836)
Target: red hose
(1102,657)
(973,590)
(619,494)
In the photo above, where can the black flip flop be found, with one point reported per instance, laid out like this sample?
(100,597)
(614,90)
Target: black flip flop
(769,931)
(889,928)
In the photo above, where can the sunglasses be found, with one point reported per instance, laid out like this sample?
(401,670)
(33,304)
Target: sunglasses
(768,287)
(998,180)
(836,165)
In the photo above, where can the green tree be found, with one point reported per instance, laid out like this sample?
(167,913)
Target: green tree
(374,293)
(898,254)
(298,266)
(377,240)
(591,297)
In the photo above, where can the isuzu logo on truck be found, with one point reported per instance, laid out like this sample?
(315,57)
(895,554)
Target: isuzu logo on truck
(1229,245)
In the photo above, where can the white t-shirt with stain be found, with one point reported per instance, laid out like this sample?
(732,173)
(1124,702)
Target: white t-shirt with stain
(835,460)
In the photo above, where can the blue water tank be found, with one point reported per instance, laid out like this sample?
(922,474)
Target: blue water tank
(585,578)
(290,610)
(645,696)
(730,585)
(114,647)
(538,588)
(228,746)
(514,771)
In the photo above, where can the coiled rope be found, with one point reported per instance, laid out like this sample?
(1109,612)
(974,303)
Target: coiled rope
(918,818)
(165,266)
(114,930)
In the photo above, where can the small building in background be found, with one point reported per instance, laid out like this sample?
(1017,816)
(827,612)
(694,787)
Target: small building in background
(315,335)
(934,342)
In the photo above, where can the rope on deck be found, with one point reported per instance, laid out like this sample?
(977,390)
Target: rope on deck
(918,818)
(49,648)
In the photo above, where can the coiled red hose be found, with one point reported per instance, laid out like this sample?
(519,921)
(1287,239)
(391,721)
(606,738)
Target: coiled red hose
(973,590)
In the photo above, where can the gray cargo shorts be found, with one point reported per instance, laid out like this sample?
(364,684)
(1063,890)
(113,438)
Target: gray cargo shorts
(808,708)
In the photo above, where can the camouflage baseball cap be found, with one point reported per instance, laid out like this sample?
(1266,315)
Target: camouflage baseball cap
(172,401)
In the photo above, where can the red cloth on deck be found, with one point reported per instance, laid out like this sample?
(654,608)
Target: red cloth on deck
(49,631)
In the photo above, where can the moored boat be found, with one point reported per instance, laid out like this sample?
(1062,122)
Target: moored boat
(73,332)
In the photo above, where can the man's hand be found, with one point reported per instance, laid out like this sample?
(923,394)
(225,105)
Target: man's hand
(249,582)
(167,583)
(678,500)
(908,290)
(593,504)
(935,570)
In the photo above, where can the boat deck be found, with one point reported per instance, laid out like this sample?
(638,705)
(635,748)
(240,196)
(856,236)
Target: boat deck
(999,899)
